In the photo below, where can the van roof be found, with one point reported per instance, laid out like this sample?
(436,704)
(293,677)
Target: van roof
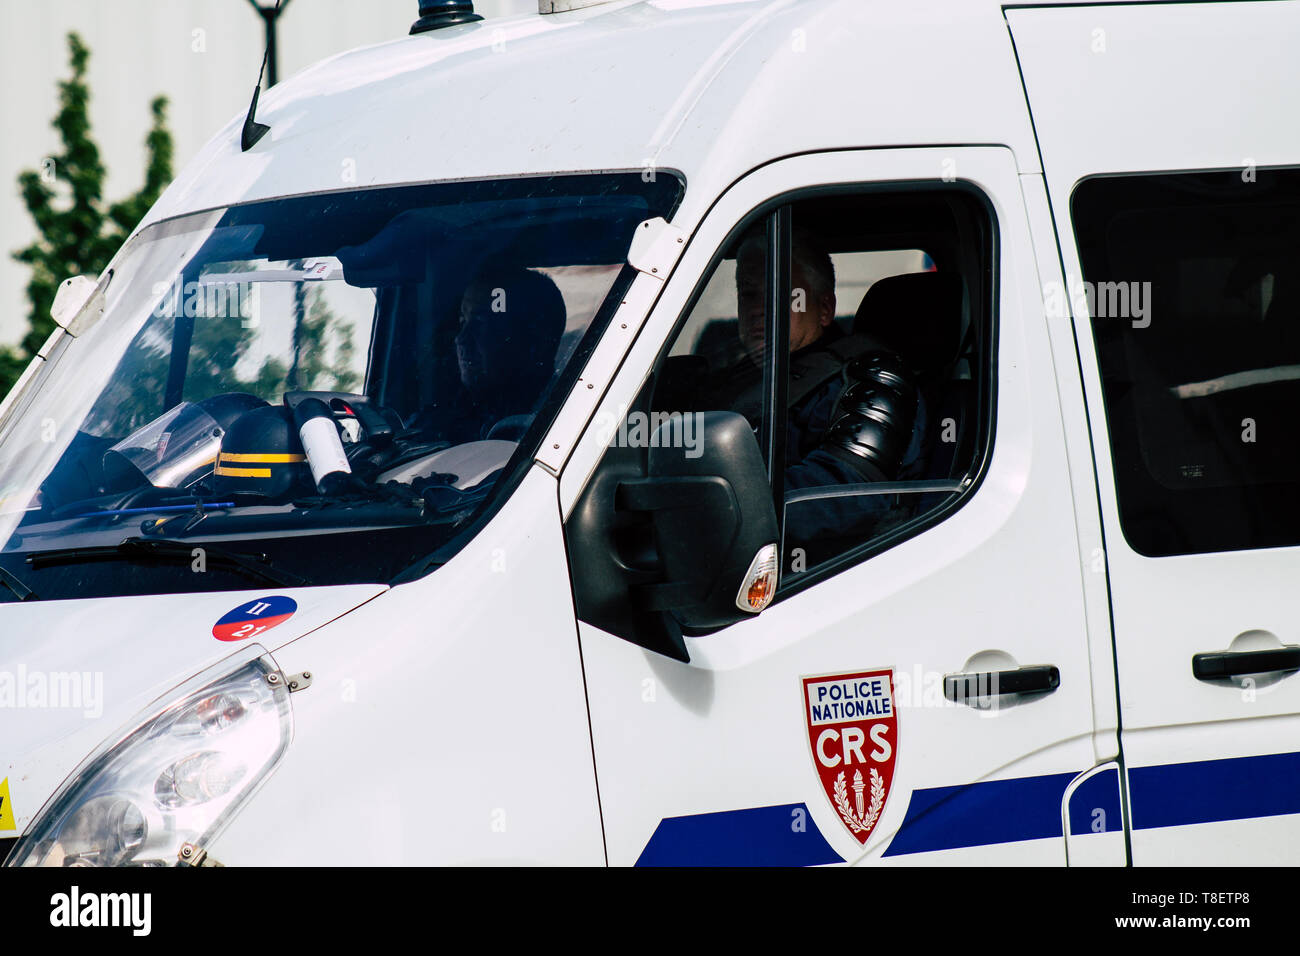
(712,88)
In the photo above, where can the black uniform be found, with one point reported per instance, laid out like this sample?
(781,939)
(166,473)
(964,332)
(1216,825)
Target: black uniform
(855,417)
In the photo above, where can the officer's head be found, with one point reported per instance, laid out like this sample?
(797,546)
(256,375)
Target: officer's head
(511,321)
(812,284)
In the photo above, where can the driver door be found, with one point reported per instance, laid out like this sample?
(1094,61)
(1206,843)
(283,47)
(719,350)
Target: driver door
(735,756)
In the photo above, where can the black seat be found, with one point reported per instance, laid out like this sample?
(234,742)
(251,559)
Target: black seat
(919,316)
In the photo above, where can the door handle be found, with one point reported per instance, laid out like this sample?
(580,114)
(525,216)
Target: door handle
(1035,679)
(1233,663)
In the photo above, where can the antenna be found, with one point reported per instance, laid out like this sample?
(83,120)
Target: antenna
(253,130)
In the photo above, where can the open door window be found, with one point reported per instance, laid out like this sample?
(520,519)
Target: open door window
(850,329)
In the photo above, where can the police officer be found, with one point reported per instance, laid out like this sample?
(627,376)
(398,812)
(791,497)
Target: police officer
(510,324)
(855,413)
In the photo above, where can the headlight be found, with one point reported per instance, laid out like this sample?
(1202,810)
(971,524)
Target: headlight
(177,775)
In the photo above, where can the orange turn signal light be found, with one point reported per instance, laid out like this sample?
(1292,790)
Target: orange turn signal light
(759,586)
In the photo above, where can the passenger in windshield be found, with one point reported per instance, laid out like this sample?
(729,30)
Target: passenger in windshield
(511,322)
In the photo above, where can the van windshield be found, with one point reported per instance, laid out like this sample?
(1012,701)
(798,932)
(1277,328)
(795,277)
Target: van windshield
(431,330)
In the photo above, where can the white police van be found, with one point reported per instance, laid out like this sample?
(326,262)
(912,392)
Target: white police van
(376,504)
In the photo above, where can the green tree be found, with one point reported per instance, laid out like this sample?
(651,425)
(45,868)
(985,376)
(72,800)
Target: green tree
(321,336)
(321,357)
(77,232)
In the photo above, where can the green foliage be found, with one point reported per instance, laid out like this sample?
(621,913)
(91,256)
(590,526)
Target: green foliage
(77,233)
(323,343)
(221,359)
(319,328)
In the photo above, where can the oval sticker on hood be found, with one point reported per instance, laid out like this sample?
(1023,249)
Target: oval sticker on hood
(254,617)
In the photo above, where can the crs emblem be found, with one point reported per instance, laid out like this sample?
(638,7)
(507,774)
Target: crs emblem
(853,730)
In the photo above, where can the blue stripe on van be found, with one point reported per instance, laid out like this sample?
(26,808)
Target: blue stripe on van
(992,812)
(1236,788)
(783,835)
(980,814)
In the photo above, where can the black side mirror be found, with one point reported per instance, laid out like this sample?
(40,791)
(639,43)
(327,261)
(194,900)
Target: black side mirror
(711,507)
(670,541)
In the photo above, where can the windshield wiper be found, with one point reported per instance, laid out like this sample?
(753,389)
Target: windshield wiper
(166,549)
(21,591)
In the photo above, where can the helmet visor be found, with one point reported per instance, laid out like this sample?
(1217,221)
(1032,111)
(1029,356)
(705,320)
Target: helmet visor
(175,449)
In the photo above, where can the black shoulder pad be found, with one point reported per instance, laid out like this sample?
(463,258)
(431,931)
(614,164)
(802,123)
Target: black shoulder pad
(875,416)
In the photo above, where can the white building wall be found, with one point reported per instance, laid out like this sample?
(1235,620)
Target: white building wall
(202,54)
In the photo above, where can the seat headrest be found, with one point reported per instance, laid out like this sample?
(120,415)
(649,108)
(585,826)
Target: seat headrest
(918,314)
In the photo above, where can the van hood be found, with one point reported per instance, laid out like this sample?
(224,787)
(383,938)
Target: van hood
(72,673)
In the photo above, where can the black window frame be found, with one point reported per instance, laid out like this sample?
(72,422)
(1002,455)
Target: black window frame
(776,374)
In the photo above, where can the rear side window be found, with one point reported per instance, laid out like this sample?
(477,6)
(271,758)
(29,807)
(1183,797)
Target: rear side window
(1193,286)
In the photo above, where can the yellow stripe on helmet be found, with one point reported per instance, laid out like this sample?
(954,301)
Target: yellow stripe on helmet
(260,459)
(244,472)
